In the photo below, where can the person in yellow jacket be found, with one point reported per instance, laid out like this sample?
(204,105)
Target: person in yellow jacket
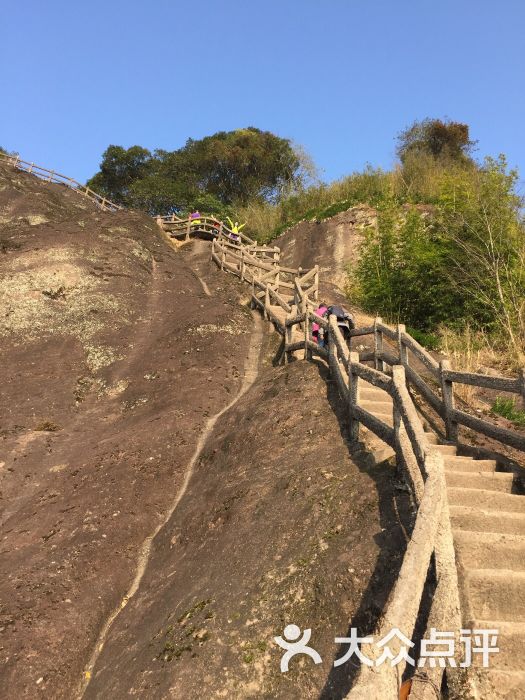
(235,228)
(195,219)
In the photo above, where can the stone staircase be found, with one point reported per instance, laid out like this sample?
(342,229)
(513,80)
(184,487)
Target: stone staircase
(488,525)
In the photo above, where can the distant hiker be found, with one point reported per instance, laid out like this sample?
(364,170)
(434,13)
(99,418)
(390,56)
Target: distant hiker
(235,229)
(344,320)
(317,331)
(195,218)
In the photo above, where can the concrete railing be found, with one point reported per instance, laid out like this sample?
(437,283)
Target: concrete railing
(57,178)
(435,382)
(183,228)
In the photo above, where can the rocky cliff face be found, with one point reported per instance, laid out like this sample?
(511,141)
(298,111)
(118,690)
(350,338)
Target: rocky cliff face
(331,244)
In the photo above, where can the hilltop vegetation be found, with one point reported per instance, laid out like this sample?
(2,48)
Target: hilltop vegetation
(427,150)
(461,265)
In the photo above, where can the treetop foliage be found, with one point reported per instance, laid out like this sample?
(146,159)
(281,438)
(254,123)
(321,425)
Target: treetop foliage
(446,140)
(213,173)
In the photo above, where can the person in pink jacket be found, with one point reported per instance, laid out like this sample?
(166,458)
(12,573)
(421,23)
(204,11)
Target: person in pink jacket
(318,337)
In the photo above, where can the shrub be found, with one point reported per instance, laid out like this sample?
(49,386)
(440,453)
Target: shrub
(507,409)
(427,340)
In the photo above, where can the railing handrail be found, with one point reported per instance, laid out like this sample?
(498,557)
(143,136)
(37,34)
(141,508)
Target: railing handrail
(443,403)
(59,179)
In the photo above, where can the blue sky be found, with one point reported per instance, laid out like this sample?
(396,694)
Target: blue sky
(340,77)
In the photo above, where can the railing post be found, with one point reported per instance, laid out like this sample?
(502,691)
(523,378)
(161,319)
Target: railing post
(332,347)
(521,379)
(399,380)
(307,351)
(447,390)
(266,301)
(242,264)
(31,168)
(378,345)
(276,260)
(188,228)
(316,283)
(353,398)
(403,350)
(223,256)
(288,335)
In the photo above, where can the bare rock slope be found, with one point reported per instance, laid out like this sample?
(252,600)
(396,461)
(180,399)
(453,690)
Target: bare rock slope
(331,244)
(112,358)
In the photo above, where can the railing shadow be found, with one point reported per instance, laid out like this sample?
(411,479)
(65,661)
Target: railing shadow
(391,541)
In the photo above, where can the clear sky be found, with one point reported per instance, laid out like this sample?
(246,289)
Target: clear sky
(340,77)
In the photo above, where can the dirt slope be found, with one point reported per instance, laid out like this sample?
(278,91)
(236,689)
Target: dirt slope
(101,406)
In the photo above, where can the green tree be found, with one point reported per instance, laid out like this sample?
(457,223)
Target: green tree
(446,140)
(119,169)
(481,216)
(461,265)
(400,270)
(242,165)
(228,168)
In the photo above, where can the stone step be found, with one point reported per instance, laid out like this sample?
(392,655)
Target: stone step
(497,594)
(486,500)
(486,550)
(367,392)
(385,417)
(510,641)
(376,406)
(447,449)
(467,464)
(495,684)
(484,481)
(478,520)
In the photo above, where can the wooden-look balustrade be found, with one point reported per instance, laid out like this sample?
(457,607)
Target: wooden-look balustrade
(57,178)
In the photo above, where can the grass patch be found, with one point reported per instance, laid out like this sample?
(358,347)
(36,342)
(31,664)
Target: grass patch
(507,409)
(198,607)
(427,340)
(47,426)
